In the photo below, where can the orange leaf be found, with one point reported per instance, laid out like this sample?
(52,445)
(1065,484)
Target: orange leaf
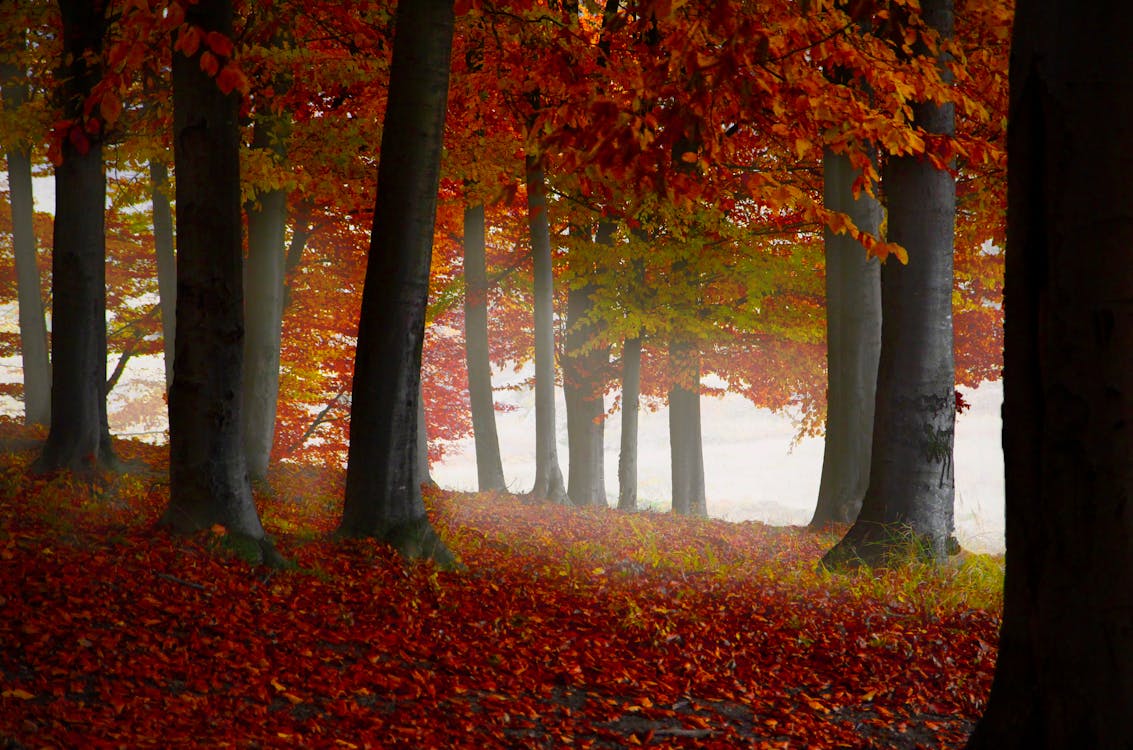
(110,107)
(188,40)
(219,43)
(209,63)
(232,78)
(17,693)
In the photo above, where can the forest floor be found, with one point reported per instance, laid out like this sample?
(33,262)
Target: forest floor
(570,627)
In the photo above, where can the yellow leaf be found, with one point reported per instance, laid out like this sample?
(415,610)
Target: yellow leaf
(17,693)
(803,146)
(278,685)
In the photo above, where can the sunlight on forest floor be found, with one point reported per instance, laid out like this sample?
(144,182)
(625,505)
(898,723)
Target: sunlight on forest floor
(570,627)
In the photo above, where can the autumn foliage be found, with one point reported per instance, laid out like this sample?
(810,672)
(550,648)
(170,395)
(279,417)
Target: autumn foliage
(569,627)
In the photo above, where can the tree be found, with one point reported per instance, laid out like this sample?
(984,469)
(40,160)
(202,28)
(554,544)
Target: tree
(1062,678)
(79,437)
(163,244)
(853,344)
(208,476)
(548,474)
(33,327)
(383,498)
(585,363)
(911,485)
(489,466)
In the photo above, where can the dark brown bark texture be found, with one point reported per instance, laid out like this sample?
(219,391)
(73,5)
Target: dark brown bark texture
(911,484)
(1064,676)
(79,437)
(853,345)
(208,475)
(489,466)
(383,498)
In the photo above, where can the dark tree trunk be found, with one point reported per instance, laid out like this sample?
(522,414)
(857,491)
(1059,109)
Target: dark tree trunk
(631,398)
(166,261)
(853,344)
(33,327)
(548,475)
(686,447)
(207,472)
(911,487)
(489,466)
(79,438)
(584,381)
(383,497)
(263,309)
(1064,675)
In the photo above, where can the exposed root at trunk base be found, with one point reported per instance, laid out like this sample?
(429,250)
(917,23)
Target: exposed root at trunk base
(877,545)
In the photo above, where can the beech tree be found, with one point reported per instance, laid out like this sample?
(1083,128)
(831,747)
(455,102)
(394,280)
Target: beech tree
(79,437)
(489,467)
(1063,674)
(853,344)
(548,474)
(383,497)
(208,476)
(33,327)
(911,483)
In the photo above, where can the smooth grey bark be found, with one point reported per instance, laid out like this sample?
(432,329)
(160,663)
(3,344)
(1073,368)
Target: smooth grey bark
(585,361)
(548,475)
(383,497)
(631,407)
(166,261)
(263,310)
(489,465)
(853,346)
(79,437)
(423,474)
(33,326)
(911,487)
(686,446)
(1064,672)
(208,475)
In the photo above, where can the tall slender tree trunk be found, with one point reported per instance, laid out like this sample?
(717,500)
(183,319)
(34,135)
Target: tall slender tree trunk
(424,476)
(79,438)
(853,345)
(631,404)
(686,446)
(489,466)
(166,261)
(383,497)
(1064,674)
(33,326)
(263,311)
(911,485)
(548,475)
(584,381)
(208,474)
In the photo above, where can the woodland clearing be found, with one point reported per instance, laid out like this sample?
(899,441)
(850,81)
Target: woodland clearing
(568,627)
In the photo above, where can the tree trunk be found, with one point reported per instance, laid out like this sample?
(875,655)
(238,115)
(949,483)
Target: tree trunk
(489,466)
(207,472)
(853,344)
(631,403)
(911,485)
(584,369)
(79,438)
(423,474)
(548,475)
(166,261)
(686,447)
(383,498)
(33,326)
(1064,675)
(263,311)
